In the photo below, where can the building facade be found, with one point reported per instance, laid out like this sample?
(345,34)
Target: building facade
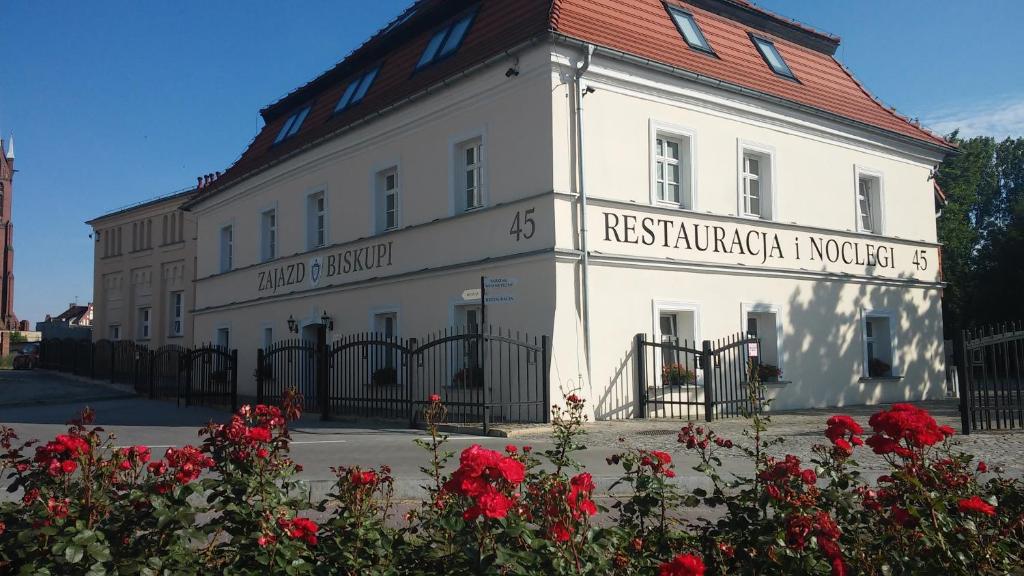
(688,170)
(75,322)
(143,270)
(8,319)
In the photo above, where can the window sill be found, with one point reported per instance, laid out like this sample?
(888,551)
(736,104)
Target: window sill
(777,383)
(881,378)
(672,205)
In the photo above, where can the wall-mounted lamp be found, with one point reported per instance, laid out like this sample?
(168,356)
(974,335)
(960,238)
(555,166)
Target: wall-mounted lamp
(293,326)
(327,321)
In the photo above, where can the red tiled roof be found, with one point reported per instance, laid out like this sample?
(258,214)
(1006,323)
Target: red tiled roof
(644,28)
(637,27)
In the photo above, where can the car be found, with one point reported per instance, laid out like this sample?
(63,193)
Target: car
(27,358)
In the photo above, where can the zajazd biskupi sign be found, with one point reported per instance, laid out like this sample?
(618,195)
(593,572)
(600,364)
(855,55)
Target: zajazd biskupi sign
(711,240)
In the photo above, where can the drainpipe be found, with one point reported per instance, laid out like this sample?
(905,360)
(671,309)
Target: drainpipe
(578,85)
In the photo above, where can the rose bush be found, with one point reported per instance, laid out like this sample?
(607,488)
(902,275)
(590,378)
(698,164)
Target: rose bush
(233,505)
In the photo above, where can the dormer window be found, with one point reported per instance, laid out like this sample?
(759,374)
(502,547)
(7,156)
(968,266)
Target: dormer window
(292,125)
(772,56)
(356,90)
(446,41)
(689,30)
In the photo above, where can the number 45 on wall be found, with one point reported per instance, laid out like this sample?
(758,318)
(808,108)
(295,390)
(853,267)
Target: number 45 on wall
(920,260)
(523,225)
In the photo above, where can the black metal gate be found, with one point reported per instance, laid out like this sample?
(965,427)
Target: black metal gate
(679,380)
(165,371)
(285,365)
(492,376)
(211,376)
(992,378)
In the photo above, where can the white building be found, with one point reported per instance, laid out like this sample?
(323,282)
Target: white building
(689,170)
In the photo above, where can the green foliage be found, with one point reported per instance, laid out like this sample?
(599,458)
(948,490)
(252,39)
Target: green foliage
(981,229)
(234,506)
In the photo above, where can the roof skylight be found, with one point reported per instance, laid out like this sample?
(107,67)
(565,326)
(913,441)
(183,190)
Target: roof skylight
(292,125)
(688,28)
(446,41)
(356,90)
(771,55)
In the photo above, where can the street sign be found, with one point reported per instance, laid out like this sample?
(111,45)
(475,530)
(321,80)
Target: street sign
(500,282)
(471,294)
(500,299)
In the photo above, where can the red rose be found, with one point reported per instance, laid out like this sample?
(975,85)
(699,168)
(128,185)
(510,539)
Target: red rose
(975,505)
(559,533)
(982,467)
(808,477)
(511,449)
(434,398)
(69,466)
(682,565)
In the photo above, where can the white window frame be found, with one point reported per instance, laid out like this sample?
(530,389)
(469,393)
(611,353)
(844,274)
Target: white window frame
(659,307)
(145,322)
(264,328)
(312,219)
(217,332)
(177,314)
(269,239)
(893,342)
(877,200)
(687,162)
(772,179)
(375,313)
(766,308)
(380,194)
(227,249)
(114,332)
(457,171)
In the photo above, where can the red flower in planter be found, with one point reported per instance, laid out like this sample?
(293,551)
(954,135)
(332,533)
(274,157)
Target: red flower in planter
(903,429)
(975,505)
(299,529)
(844,432)
(682,565)
(581,487)
(435,398)
(486,476)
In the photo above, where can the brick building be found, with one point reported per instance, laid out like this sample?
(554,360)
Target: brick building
(8,320)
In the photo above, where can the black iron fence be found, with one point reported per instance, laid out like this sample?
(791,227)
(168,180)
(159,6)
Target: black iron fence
(679,379)
(991,377)
(203,375)
(482,376)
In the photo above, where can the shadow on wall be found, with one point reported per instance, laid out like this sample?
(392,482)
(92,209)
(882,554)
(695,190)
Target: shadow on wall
(822,349)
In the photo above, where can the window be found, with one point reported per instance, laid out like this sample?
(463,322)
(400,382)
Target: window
(268,235)
(224,337)
(869,203)
(268,337)
(316,220)
(762,322)
(387,200)
(292,124)
(756,196)
(163,230)
(469,178)
(177,313)
(676,328)
(772,56)
(688,28)
(356,90)
(135,236)
(446,41)
(114,332)
(144,322)
(672,167)
(226,248)
(878,345)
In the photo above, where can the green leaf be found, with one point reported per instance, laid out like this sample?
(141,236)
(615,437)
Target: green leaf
(73,553)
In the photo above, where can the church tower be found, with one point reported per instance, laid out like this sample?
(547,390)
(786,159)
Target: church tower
(8,320)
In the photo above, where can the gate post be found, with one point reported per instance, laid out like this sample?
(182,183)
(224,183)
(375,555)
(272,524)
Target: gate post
(546,413)
(641,376)
(152,377)
(708,361)
(113,355)
(321,373)
(188,378)
(259,375)
(960,357)
(92,360)
(234,380)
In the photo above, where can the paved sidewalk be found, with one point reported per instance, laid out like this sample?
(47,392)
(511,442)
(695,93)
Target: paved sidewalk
(42,387)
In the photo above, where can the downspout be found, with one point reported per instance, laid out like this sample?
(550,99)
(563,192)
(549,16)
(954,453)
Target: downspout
(585,271)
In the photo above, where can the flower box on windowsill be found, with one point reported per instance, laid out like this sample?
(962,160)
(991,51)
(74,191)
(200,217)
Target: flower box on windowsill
(896,378)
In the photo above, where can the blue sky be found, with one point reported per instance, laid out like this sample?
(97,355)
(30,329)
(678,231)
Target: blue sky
(119,101)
